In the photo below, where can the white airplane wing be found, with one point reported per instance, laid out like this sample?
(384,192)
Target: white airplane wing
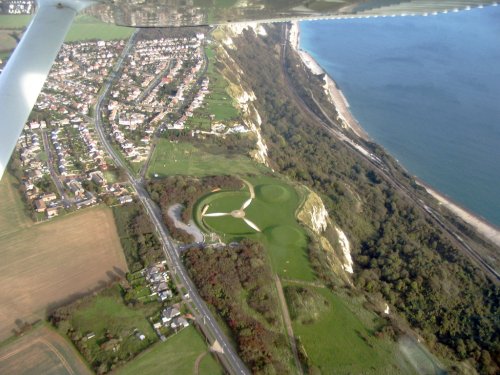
(22,79)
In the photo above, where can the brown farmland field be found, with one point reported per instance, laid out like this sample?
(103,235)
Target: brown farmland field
(41,351)
(49,264)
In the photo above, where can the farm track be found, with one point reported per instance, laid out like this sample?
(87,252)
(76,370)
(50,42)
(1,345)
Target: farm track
(288,324)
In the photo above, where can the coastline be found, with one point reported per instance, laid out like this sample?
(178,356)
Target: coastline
(333,92)
(337,98)
(487,230)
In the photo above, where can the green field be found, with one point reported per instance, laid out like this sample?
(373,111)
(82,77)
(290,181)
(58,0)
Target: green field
(110,319)
(185,159)
(107,312)
(14,21)
(7,41)
(89,28)
(175,356)
(338,342)
(12,212)
(218,102)
(273,211)
(84,28)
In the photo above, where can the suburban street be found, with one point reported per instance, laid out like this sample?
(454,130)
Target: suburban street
(154,83)
(204,318)
(55,177)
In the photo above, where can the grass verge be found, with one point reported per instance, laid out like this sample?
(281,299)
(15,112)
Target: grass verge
(177,355)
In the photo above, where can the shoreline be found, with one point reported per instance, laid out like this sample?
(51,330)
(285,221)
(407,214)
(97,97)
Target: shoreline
(331,88)
(339,101)
(481,225)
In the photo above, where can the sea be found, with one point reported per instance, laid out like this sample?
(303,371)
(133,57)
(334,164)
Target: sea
(428,90)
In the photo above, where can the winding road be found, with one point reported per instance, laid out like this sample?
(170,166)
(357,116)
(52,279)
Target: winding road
(204,317)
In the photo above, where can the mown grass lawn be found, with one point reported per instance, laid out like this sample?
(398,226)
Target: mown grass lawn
(218,102)
(273,211)
(13,216)
(177,355)
(185,159)
(339,343)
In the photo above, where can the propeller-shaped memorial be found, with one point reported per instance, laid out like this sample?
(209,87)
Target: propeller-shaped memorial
(237,214)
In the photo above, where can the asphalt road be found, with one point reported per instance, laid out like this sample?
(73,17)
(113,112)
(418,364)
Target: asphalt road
(55,177)
(204,318)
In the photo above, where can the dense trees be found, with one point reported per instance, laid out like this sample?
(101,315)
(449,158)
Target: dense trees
(186,190)
(237,282)
(139,242)
(398,252)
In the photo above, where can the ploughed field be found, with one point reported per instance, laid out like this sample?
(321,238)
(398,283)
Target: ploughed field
(41,351)
(53,262)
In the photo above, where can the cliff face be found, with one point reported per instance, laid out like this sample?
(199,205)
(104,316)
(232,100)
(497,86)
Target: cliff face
(346,251)
(243,97)
(313,215)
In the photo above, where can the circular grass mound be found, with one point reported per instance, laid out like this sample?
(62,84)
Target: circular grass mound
(223,202)
(284,235)
(272,193)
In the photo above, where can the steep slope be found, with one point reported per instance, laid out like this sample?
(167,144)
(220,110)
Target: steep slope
(399,254)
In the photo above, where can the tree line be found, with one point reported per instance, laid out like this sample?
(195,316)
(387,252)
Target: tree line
(398,252)
(186,191)
(237,281)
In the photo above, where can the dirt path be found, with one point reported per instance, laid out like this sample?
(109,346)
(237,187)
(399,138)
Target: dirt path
(288,323)
(174,212)
(250,188)
(197,363)
(314,284)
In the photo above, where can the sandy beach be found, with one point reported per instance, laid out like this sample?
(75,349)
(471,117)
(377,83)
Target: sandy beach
(332,91)
(484,228)
(338,99)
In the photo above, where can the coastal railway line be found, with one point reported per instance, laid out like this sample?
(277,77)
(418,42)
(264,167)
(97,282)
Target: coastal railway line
(333,129)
